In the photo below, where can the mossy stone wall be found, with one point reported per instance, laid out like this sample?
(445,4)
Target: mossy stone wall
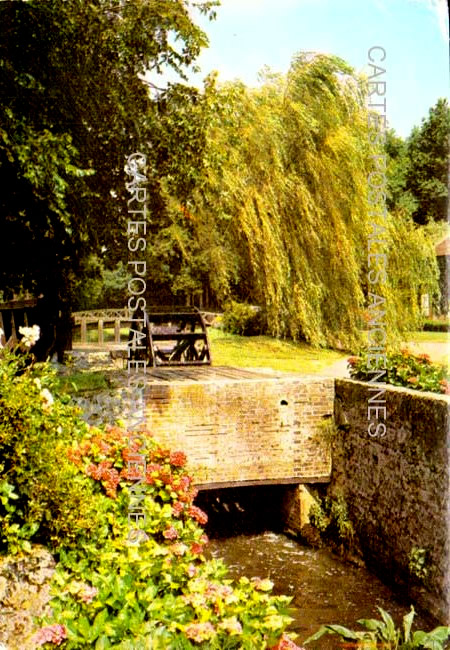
(397,487)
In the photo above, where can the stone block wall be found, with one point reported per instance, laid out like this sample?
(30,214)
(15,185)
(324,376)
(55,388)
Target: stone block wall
(397,487)
(268,429)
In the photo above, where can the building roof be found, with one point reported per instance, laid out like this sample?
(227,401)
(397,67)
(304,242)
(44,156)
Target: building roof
(443,248)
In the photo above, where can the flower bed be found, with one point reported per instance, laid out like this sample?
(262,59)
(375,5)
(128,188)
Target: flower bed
(403,369)
(162,592)
(79,490)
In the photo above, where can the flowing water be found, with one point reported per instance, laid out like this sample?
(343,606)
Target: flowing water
(324,589)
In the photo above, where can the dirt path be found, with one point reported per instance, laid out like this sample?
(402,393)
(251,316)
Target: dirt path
(337,369)
(438,352)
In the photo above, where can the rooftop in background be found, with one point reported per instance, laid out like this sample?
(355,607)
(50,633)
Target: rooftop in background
(443,248)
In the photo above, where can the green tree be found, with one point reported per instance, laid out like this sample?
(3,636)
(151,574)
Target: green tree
(101,287)
(75,104)
(398,165)
(281,219)
(427,176)
(283,213)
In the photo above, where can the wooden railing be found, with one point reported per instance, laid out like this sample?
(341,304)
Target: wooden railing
(105,319)
(111,319)
(13,314)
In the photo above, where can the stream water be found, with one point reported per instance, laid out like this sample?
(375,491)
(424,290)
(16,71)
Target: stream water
(324,589)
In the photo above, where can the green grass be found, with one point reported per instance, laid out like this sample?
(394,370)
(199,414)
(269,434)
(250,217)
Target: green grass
(260,352)
(82,381)
(428,337)
(266,352)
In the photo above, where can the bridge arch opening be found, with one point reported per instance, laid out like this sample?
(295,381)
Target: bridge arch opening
(245,510)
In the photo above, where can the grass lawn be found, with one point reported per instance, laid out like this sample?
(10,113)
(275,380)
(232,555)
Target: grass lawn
(266,352)
(435,344)
(82,380)
(429,337)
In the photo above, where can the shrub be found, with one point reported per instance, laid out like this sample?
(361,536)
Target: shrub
(42,496)
(73,487)
(404,369)
(330,516)
(418,561)
(161,593)
(436,326)
(384,633)
(245,320)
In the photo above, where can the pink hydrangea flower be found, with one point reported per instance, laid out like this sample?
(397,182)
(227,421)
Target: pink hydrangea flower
(199,632)
(87,593)
(55,634)
(170,533)
(285,643)
(198,514)
(231,626)
(178,459)
(179,549)
(262,585)
(191,570)
(177,509)
(196,548)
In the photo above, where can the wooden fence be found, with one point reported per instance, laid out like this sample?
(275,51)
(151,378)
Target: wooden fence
(14,314)
(101,319)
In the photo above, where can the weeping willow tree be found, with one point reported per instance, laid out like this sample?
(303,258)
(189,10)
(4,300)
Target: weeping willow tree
(412,272)
(281,218)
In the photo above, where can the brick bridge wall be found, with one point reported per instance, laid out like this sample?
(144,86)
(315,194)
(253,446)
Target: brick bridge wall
(246,430)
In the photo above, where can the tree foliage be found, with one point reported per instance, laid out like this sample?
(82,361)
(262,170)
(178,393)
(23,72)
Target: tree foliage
(282,217)
(75,105)
(419,167)
(428,154)
(257,195)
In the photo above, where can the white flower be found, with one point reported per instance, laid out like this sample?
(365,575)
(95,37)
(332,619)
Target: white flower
(47,397)
(30,335)
(37,383)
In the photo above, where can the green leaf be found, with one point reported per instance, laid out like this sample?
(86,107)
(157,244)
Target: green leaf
(441,633)
(343,631)
(102,643)
(83,627)
(99,622)
(419,638)
(407,623)
(389,634)
(333,629)
(73,629)
(370,624)
(436,638)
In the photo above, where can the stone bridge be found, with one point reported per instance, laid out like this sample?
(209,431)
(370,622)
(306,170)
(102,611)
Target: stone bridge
(242,427)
